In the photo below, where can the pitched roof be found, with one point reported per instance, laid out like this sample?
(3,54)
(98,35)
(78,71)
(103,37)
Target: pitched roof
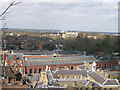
(8,72)
(49,75)
(83,81)
(83,67)
(99,80)
(95,84)
(111,82)
(71,72)
(97,77)
(38,85)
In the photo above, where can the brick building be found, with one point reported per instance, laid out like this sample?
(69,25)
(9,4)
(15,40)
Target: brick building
(36,63)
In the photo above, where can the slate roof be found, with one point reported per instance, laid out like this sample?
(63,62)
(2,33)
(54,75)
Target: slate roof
(52,79)
(83,81)
(8,72)
(99,80)
(71,72)
(97,77)
(95,84)
(49,75)
(19,56)
(67,52)
(111,82)
(83,67)
(38,85)
(58,60)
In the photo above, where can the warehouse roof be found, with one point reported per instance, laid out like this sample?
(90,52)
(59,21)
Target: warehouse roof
(58,60)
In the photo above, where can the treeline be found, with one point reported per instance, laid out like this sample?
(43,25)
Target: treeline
(107,45)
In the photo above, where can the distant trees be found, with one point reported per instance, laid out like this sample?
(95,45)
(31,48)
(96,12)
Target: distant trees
(49,46)
(107,45)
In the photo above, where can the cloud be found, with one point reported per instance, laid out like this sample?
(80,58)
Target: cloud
(64,14)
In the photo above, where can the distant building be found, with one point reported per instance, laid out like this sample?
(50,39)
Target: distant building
(70,35)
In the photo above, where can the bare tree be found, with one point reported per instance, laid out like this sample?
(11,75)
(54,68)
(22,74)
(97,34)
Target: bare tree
(15,2)
(10,5)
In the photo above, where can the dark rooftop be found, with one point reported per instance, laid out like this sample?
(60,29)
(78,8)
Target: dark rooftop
(71,72)
(97,77)
(83,67)
(111,82)
(38,85)
(58,60)
(45,52)
(8,72)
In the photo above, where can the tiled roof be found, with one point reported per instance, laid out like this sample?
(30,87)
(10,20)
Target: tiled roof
(71,72)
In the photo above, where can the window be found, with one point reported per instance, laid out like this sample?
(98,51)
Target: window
(30,70)
(71,68)
(74,77)
(68,77)
(39,70)
(63,77)
(35,70)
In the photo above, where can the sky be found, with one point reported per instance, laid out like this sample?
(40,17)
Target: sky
(78,15)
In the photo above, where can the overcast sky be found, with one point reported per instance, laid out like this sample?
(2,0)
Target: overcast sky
(79,15)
